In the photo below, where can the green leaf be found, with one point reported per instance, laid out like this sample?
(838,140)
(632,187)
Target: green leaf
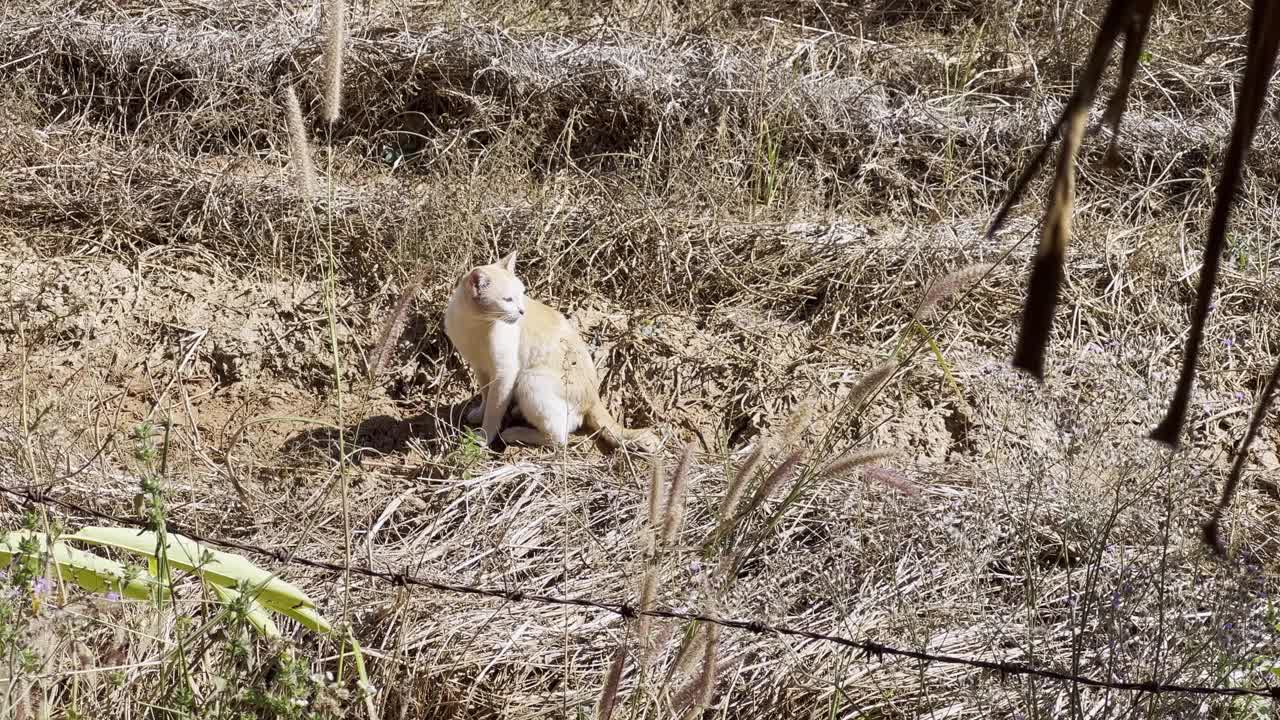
(307,616)
(214,566)
(942,363)
(89,571)
(365,685)
(258,615)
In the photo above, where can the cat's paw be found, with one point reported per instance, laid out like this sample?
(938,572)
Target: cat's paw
(482,438)
(646,442)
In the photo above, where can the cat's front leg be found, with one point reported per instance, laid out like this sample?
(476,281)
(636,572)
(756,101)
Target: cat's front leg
(497,400)
(475,414)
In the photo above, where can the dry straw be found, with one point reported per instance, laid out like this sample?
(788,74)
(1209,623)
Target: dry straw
(304,173)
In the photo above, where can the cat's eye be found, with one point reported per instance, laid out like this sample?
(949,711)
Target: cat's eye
(506,299)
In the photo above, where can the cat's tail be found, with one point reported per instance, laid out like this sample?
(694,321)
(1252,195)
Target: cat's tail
(611,433)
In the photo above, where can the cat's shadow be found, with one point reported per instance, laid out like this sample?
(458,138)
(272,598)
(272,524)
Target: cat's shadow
(438,429)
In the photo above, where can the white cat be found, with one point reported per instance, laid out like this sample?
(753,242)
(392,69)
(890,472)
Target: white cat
(523,350)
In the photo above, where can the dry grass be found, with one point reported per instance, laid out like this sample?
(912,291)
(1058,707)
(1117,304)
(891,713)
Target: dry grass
(756,213)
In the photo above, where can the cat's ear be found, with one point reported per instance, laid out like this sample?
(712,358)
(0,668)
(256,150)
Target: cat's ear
(477,281)
(509,262)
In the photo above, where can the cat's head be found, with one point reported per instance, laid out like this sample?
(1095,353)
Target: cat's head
(496,291)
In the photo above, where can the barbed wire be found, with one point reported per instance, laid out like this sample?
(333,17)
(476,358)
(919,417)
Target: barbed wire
(867,648)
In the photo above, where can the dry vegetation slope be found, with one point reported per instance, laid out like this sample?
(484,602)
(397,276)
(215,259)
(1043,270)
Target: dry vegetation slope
(741,211)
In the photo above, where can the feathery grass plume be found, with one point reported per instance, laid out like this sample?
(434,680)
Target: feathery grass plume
(648,588)
(648,592)
(734,493)
(657,479)
(891,478)
(674,514)
(854,458)
(649,531)
(697,694)
(947,286)
(609,695)
(799,419)
(1112,23)
(738,485)
(335,41)
(648,547)
(659,640)
(394,325)
(868,383)
(1047,268)
(304,173)
(779,475)
(691,649)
